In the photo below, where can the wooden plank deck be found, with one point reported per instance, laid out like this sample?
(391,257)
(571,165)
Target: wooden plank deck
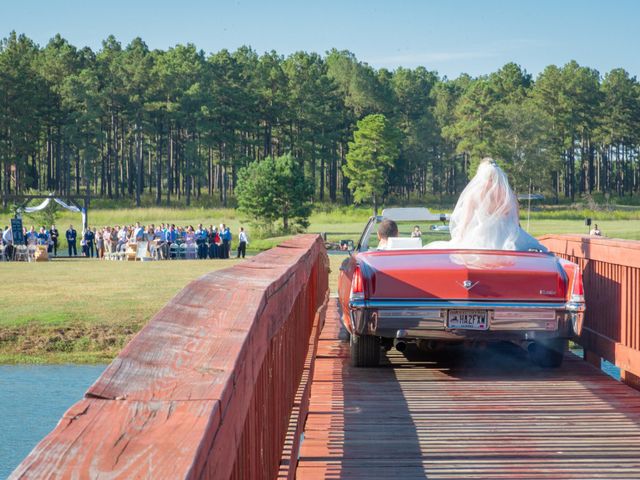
(485,413)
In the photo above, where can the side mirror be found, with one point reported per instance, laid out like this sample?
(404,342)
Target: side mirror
(351,247)
(347,245)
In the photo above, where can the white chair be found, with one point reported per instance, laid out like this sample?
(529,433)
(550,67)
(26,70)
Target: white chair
(192,251)
(141,250)
(21,253)
(31,252)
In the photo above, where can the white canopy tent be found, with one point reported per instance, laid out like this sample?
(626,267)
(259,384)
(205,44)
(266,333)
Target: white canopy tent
(45,203)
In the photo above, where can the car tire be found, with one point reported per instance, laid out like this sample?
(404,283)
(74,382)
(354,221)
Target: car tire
(365,351)
(548,354)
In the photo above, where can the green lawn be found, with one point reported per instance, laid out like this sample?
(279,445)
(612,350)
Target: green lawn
(84,310)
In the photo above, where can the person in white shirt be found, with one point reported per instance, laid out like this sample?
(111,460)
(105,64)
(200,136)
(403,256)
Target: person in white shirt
(595,231)
(242,243)
(123,239)
(387,229)
(7,239)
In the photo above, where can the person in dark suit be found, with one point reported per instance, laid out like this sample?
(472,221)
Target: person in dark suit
(89,238)
(201,241)
(54,239)
(72,236)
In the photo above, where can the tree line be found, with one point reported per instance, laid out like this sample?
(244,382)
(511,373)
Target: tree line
(178,124)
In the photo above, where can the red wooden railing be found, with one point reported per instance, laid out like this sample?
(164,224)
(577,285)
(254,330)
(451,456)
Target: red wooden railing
(611,274)
(211,387)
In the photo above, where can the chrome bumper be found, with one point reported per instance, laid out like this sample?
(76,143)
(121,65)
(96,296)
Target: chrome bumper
(428,319)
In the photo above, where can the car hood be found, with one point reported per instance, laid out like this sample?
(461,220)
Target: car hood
(463,275)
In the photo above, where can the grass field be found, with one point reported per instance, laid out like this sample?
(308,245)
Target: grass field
(85,311)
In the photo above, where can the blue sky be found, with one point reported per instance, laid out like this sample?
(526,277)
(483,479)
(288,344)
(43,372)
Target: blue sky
(452,37)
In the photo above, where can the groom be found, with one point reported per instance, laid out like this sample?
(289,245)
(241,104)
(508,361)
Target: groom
(72,235)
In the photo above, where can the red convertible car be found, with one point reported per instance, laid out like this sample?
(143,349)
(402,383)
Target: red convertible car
(405,293)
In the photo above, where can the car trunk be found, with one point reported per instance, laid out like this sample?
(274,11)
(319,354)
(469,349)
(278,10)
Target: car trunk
(463,275)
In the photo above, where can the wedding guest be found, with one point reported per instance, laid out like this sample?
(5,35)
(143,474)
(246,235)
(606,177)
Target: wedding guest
(242,243)
(201,241)
(150,234)
(54,239)
(214,239)
(138,232)
(122,239)
(89,239)
(7,240)
(100,244)
(43,237)
(71,236)
(32,236)
(225,235)
(113,237)
(595,231)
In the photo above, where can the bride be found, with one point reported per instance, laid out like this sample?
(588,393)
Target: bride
(486,215)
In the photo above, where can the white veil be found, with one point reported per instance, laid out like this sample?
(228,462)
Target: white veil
(486,215)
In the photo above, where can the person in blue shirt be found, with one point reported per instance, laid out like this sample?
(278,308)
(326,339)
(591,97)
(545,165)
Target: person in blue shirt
(32,236)
(43,237)
(171,236)
(138,232)
(201,241)
(72,236)
(225,234)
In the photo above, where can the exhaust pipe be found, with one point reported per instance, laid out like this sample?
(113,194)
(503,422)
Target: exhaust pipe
(530,347)
(400,344)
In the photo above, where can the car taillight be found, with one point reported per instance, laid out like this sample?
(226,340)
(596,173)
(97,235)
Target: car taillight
(562,286)
(577,291)
(357,283)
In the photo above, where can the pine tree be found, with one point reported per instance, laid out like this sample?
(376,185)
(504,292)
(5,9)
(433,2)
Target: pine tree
(373,152)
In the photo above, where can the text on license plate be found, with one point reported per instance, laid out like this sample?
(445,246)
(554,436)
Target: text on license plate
(468,319)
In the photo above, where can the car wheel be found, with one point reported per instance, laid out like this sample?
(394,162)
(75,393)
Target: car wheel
(365,351)
(548,354)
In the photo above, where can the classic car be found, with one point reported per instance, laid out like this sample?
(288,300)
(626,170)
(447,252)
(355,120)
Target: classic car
(405,293)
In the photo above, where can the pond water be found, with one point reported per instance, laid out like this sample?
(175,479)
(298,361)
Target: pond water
(32,400)
(606,366)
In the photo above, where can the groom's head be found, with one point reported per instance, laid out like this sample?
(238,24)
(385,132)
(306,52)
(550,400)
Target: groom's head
(386,229)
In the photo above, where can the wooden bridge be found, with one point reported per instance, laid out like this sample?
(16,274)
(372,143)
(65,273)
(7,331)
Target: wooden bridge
(243,375)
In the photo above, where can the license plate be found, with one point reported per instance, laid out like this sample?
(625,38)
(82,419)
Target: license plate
(468,319)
